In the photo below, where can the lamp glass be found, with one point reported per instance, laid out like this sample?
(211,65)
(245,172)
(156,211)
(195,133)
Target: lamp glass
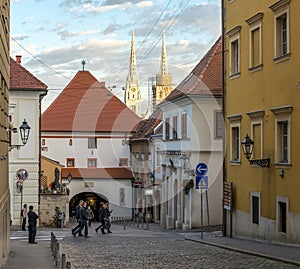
(24,132)
(247,145)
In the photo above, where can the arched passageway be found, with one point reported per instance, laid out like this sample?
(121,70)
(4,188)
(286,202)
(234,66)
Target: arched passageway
(93,199)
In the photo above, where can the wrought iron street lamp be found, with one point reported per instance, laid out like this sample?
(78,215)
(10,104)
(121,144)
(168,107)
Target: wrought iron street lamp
(248,145)
(24,132)
(184,160)
(69,177)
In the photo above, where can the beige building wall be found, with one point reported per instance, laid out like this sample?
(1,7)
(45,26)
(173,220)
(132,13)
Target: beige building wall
(262,100)
(4,100)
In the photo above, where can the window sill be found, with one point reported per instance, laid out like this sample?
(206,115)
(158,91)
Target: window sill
(235,162)
(280,165)
(255,68)
(235,75)
(282,58)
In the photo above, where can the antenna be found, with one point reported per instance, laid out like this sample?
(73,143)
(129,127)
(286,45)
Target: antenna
(83,62)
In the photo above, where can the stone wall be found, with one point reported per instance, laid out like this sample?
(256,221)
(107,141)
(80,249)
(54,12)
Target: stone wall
(48,203)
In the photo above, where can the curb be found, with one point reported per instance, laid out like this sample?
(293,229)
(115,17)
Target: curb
(266,256)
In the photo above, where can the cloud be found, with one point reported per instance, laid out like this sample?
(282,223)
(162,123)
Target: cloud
(67,34)
(19,37)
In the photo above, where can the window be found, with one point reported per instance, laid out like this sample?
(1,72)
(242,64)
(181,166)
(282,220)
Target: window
(282,134)
(257,147)
(70,162)
(123,162)
(183,125)
(167,128)
(235,142)
(281,28)
(283,141)
(282,217)
(255,209)
(92,142)
(218,124)
(255,23)
(92,162)
(234,50)
(175,124)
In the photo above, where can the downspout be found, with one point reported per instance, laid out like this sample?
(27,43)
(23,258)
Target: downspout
(40,148)
(224,228)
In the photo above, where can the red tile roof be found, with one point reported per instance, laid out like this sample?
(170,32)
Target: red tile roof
(101,173)
(22,79)
(205,79)
(86,105)
(146,127)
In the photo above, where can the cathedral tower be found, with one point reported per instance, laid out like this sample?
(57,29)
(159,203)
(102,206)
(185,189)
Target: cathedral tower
(163,79)
(133,92)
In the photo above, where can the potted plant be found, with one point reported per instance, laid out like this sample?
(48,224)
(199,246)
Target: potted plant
(189,185)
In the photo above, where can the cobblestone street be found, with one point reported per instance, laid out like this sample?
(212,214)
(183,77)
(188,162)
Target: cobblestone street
(137,248)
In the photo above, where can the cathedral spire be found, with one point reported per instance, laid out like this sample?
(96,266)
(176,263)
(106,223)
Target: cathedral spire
(163,60)
(132,74)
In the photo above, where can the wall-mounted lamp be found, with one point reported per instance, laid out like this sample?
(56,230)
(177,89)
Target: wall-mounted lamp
(69,177)
(247,145)
(184,160)
(24,132)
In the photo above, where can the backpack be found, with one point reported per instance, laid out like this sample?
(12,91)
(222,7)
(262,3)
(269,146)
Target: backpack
(21,214)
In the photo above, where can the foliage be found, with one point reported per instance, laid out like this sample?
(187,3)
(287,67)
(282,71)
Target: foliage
(188,186)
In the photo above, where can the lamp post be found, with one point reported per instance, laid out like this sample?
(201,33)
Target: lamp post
(248,145)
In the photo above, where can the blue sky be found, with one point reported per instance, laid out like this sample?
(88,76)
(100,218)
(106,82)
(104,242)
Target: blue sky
(54,36)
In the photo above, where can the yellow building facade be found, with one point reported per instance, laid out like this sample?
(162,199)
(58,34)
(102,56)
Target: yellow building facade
(262,93)
(4,104)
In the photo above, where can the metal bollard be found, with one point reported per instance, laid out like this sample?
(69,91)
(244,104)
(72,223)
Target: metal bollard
(63,261)
(124,223)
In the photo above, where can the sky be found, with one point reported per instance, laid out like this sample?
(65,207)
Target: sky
(54,37)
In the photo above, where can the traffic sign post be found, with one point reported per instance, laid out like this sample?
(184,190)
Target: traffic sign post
(202,184)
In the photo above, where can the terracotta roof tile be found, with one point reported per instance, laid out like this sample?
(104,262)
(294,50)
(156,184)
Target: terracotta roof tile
(205,79)
(100,173)
(22,79)
(146,127)
(86,105)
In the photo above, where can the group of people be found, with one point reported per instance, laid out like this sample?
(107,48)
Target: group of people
(84,214)
(32,222)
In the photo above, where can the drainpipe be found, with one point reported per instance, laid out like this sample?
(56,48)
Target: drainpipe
(40,149)
(224,228)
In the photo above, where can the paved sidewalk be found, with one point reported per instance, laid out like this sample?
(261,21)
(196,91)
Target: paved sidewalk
(274,251)
(29,256)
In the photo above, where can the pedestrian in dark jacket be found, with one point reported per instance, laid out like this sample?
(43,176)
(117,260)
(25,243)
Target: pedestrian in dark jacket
(83,221)
(102,217)
(32,221)
(77,209)
(107,220)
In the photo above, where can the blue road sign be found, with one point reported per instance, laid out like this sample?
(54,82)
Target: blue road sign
(201,169)
(201,182)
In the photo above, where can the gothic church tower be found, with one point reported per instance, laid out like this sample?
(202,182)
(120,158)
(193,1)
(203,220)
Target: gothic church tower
(163,79)
(132,91)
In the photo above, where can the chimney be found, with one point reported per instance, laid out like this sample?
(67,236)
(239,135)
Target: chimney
(18,59)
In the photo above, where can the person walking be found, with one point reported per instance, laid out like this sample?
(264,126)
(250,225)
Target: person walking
(77,209)
(107,219)
(90,215)
(102,216)
(83,221)
(24,216)
(32,221)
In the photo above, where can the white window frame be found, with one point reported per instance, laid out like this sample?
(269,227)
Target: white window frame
(280,9)
(234,36)
(282,114)
(235,121)
(255,23)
